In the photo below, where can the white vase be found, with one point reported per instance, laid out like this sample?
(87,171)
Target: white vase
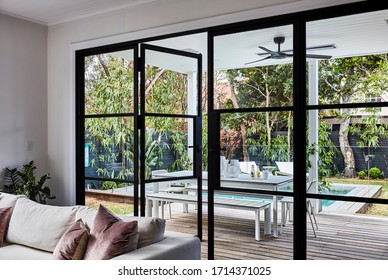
(223,166)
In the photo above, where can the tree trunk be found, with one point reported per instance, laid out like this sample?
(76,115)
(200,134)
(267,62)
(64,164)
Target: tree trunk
(243,129)
(104,66)
(346,149)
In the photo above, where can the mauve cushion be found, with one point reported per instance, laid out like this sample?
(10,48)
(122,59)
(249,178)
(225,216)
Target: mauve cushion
(5,215)
(110,236)
(73,243)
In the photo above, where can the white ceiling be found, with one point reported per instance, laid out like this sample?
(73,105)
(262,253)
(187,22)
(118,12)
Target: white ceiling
(353,35)
(51,12)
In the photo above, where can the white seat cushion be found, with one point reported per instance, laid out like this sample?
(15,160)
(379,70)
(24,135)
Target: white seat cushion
(20,252)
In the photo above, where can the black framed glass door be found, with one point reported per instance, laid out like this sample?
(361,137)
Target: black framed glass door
(251,115)
(171,123)
(125,139)
(107,138)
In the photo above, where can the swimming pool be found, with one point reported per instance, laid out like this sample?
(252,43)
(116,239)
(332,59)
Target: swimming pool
(325,202)
(336,191)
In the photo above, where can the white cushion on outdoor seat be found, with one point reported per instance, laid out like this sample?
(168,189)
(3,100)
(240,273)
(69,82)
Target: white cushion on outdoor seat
(285,167)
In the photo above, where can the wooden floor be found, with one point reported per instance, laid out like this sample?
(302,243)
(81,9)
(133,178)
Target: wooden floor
(338,237)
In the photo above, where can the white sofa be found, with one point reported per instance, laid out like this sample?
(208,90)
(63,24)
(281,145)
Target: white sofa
(35,229)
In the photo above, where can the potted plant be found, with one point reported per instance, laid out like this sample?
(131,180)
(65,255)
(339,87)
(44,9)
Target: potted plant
(24,182)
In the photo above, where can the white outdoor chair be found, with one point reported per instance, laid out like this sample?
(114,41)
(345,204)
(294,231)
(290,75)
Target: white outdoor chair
(245,166)
(168,187)
(287,203)
(286,168)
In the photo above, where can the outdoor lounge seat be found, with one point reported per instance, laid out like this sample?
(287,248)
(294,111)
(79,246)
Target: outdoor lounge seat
(286,168)
(245,166)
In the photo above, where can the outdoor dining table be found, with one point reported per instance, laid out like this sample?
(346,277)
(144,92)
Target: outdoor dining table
(243,181)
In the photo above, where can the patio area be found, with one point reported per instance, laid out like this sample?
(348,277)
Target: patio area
(347,237)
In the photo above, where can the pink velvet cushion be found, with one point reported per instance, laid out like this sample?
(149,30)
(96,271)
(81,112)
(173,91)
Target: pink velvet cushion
(110,236)
(5,215)
(73,243)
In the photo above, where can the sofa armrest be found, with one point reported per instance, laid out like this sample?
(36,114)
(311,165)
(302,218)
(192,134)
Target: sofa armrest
(170,248)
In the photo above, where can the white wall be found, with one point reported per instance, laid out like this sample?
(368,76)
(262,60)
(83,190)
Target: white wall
(23,93)
(135,23)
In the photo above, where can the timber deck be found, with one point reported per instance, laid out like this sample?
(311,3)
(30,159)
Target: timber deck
(339,237)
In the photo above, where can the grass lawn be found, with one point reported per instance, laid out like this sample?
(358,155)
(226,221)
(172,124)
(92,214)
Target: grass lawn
(114,207)
(375,209)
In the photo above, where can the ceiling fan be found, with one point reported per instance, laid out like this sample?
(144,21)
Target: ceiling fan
(288,53)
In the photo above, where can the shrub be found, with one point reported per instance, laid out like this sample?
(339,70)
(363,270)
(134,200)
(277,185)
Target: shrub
(24,182)
(374,173)
(361,175)
(108,185)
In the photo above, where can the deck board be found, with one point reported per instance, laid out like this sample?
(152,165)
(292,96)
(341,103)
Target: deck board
(339,237)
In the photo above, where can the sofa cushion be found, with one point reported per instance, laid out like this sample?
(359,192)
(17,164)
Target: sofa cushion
(73,243)
(110,236)
(151,230)
(39,226)
(5,214)
(9,200)
(21,252)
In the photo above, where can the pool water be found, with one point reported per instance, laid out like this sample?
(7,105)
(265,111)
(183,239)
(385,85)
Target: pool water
(327,202)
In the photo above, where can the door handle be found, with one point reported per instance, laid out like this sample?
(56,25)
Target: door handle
(216,149)
(198,148)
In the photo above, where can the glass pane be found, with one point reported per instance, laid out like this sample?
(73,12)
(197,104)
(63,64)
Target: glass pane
(359,235)
(257,150)
(109,146)
(348,150)
(237,234)
(169,146)
(254,69)
(109,87)
(171,84)
(117,197)
(356,72)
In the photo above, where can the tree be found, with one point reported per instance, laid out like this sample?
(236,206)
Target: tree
(266,86)
(349,80)
(109,90)
(231,76)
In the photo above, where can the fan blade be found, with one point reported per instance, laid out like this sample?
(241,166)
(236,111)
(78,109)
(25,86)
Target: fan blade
(322,47)
(318,56)
(267,50)
(268,57)
(285,54)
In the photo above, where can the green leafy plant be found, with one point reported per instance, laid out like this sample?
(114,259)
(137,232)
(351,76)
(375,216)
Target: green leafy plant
(374,173)
(24,182)
(108,185)
(361,175)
